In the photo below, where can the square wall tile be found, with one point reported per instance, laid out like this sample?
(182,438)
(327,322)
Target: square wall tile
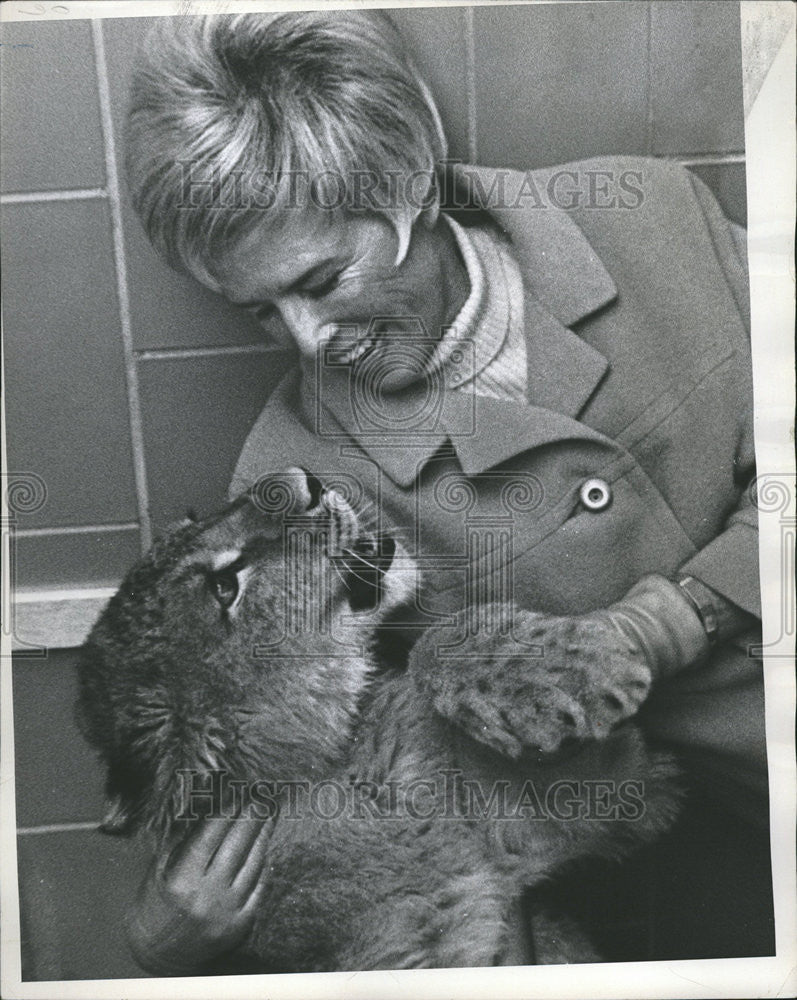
(558,82)
(51,135)
(729,185)
(696,77)
(81,559)
(66,401)
(59,778)
(197,414)
(172,310)
(435,39)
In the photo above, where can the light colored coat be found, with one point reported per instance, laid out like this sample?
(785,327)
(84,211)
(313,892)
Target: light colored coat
(639,374)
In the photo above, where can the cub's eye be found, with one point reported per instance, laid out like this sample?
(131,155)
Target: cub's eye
(224,587)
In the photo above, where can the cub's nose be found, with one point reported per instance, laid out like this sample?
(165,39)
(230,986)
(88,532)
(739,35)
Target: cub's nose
(315,488)
(307,488)
(294,491)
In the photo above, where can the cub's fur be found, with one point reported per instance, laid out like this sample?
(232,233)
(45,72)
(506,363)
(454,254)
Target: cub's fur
(244,645)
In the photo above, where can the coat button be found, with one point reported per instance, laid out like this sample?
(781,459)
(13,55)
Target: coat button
(596,494)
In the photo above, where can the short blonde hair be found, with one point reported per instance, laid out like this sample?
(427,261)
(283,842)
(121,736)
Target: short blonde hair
(234,119)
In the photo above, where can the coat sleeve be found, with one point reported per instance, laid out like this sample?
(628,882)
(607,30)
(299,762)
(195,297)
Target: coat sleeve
(729,563)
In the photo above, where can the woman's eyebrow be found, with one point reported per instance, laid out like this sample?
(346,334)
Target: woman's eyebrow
(302,279)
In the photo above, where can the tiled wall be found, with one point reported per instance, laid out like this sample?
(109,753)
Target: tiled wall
(129,390)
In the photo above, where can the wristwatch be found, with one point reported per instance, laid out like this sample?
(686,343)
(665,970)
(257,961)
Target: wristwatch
(701,599)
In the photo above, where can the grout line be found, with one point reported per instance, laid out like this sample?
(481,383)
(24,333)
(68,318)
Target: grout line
(649,79)
(120,264)
(56,828)
(470,83)
(27,197)
(75,529)
(180,353)
(710,159)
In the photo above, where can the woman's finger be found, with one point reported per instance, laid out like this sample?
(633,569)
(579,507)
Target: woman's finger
(249,874)
(233,850)
(198,848)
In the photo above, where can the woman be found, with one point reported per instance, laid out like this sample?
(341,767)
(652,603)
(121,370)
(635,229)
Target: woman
(566,349)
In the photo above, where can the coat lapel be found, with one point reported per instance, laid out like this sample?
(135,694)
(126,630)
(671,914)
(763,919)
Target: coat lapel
(563,370)
(560,268)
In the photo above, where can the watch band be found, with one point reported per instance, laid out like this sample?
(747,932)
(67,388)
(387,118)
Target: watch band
(700,598)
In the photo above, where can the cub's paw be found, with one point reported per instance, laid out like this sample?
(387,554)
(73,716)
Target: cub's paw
(549,682)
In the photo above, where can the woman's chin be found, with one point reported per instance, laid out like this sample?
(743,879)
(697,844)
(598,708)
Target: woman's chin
(392,367)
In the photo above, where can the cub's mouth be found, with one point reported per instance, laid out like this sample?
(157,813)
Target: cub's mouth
(364,566)
(361,557)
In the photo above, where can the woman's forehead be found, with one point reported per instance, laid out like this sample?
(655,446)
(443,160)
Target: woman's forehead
(282,252)
(269,260)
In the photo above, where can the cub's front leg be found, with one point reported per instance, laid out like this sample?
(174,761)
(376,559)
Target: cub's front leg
(552,681)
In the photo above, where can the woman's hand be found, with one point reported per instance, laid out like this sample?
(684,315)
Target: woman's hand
(199,902)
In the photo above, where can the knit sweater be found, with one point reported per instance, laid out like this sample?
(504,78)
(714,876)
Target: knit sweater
(484,349)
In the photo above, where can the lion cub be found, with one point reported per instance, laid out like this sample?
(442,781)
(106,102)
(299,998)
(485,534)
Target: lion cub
(250,648)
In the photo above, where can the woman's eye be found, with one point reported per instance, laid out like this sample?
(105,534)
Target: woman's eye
(224,587)
(326,286)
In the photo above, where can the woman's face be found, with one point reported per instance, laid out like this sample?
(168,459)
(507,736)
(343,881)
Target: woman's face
(321,279)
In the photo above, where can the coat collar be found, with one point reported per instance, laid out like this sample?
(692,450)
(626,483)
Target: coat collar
(560,268)
(565,282)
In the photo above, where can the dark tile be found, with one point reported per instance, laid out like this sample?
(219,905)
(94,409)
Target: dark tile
(197,413)
(75,888)
(557,82)
(51,137)
(58,776)
(66,403)
(696,77)
(84,559)
(436,41)
(728,182)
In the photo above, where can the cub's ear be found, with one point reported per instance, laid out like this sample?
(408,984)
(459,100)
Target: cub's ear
(118,819)
(124,795)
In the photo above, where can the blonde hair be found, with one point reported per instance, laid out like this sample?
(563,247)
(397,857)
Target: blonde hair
(234,119)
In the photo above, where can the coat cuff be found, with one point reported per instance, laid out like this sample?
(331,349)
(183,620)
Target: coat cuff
(729,565)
